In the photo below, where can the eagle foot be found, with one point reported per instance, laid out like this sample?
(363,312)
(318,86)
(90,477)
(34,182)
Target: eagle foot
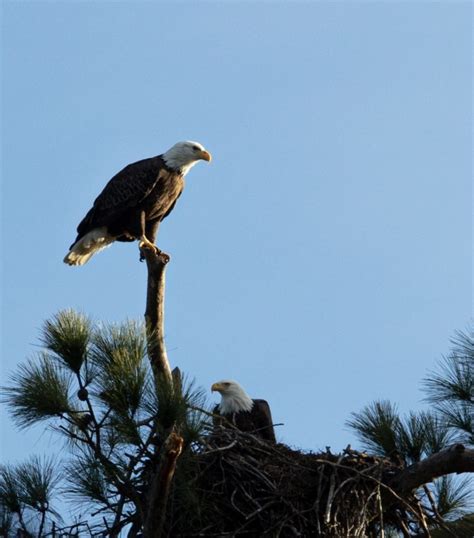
(146,244)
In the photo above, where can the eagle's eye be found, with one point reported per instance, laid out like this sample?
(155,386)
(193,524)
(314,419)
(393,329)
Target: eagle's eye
(227,384)
(196,148)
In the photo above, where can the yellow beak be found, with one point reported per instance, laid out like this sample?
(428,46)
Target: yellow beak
(215,387)
(205,156)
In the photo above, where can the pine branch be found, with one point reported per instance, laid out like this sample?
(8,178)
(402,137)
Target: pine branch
(455,459)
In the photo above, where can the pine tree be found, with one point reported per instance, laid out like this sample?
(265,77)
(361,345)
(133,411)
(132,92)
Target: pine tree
(126,421)
(382,431)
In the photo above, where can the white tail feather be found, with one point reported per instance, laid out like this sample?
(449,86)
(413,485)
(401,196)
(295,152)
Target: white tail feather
(87,246)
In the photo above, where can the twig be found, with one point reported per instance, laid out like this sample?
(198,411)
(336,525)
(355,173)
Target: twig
(437,516)
(222,448)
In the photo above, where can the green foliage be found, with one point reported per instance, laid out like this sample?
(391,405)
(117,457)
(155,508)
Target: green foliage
(86,480)
(179,407)
(381,430)
(116,416)
(461,528)
(119,354)
(28,488)
(451,388)
(112,362)
(9,489)
(453,382)
(6,521)
(39,391)
(67,335)
(193,421)
(377,427)
(38,480)
(111,342)
(460,418)
(123,376)
(437,434)
(411,438)
(454,496)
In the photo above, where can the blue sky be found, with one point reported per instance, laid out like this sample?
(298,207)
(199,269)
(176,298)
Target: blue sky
(323,259)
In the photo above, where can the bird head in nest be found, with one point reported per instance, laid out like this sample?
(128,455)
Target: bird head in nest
(184,155)
(234,397)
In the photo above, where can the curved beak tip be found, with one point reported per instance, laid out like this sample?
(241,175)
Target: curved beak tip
(214,387)
(206,156)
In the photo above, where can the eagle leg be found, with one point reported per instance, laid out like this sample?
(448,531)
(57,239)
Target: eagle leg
(145,243)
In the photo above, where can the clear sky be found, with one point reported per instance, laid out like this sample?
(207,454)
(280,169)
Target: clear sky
(323,259)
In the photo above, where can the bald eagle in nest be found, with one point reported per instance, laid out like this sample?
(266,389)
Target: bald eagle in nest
(135,201)
(246,414)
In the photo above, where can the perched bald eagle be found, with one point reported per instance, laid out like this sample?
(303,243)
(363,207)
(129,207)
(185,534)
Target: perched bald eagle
(135,201)
(247,415)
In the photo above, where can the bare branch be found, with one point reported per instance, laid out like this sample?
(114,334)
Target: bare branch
(161,486)
(154,314)
(455,459)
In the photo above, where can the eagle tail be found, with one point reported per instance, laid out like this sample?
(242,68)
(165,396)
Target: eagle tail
(88,245)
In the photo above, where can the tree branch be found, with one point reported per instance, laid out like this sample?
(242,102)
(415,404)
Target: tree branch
(43,519)
(154,314)
(154,317)
(161,485)
(455,459)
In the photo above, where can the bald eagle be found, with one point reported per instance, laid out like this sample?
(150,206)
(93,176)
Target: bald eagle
(135,201)
(247,415)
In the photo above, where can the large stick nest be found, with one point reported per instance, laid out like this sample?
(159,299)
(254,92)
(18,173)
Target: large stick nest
(234,484)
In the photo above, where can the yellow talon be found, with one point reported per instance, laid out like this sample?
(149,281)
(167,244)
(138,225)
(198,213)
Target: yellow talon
(146,243)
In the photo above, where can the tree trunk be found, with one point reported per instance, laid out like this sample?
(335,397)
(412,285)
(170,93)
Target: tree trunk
(172,447)
(155,312)
(161,486)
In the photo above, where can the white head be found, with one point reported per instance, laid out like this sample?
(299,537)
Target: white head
(184,155)
(234,397)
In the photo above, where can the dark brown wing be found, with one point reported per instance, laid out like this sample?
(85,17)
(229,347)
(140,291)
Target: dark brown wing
(262,420)
(124,191)
(216,417)
(172,205)
(257,421)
